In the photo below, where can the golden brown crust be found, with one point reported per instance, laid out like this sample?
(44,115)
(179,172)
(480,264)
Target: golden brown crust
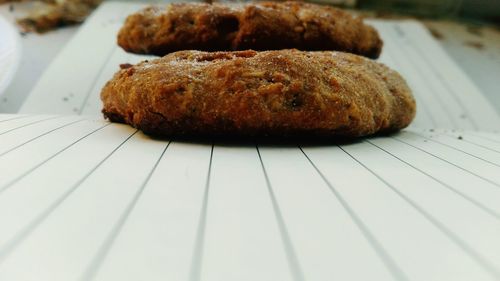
(248,93)
(258,26)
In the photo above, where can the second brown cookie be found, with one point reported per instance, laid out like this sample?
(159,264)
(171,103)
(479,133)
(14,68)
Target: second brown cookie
(258,26)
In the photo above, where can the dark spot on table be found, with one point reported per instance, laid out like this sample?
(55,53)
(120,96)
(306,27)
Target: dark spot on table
(460,138)
(476,30)
(65,98)
(435,33)
(474,44)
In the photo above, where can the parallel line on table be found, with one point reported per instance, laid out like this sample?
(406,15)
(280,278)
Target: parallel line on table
(380,251)
(461,150)
(449,162)
(472,201)
(29,124)
(14,118)
(199,245)
(18,178)
(484,137)
(38,220)
(39,136)
(291,255)
(99,257)
(465,247)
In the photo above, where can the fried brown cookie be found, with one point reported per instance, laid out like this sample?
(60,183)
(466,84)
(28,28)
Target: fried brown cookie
(248,93)
(258,26)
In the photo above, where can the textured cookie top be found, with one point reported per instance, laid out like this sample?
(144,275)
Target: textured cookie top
(236,26)
(279,93)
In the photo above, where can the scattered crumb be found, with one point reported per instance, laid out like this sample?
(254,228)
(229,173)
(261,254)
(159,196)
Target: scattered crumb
(474,44)
(125,65)
(431,130)
(65,99)
(22,33)
(460,138)
(435,33)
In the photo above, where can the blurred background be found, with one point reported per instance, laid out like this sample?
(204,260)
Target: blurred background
(476,10)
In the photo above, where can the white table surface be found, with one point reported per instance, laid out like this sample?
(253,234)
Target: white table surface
(477,53)
(37,53)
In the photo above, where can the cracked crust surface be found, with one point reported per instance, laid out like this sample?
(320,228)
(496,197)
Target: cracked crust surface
(247,93)
(258,26)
